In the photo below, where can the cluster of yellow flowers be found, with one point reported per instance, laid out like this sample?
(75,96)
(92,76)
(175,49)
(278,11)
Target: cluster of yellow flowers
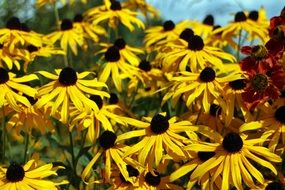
(179,112)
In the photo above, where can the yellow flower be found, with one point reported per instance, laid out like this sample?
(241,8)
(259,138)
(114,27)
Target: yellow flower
(143,7)
(204,28)
(27,177)
(234,154)
(68,88)
(160,136)
(69,36)
(114,13)
(112,153)
(17,34)
(10,58)
(9,85)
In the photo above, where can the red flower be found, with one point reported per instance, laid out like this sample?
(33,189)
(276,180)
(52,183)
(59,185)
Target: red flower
(263,85)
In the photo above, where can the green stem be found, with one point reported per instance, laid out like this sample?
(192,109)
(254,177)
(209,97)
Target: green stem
(72,151)
(56,14)
(83,137)
(27,139)
(239,44)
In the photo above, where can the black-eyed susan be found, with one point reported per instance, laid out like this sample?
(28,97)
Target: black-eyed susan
(115,13)
(203,28)
(30,176)
(30,118)
(69,36)
(32,52)
(240,24)
(9,59)
(162,34)
(160,136)
(115,66)
(127,52)
(233,160)
(69,88)
(90,30)
(196,55)
(271,123)
(15,35)
(10,86)
(204,86)
(112,152)
(93,120)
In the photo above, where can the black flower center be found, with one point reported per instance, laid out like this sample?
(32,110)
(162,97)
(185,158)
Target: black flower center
(215,110)
(31,99)
(253,15)
(97,99)
(275,186)
(207,75)
(259,82)
(280,114)
(145,65)
(66,24)
(67,76)
(78,18)
(133,172)
(240,16)
(238,84)
(15,173)
(159,124)
(209,20)
(113,98)
(14,24)
(4,76)
(120,43)
(259,52)
(153,180)
(1,46)
(168,25)
(112,54)
(204,156)
(115,5)
(32,48)
(186,34)
(195,43)
(232,142)
(107,139)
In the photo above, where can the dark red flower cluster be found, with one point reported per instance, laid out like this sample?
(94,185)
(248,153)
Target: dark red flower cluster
(264,66)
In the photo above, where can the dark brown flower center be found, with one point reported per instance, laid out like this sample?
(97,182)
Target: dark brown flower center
(15,173)
(207,75)
(66,24)
(168,25)
(4,76)
(120,43)
(195,43)
(107,139)
(14,24)
(232,142)
(78,18)
(116,5)
(238,84)
(113,98)
(186,34)
(145,65)
(259,52)
(259,82)
(159,124)
(253,15)
(133,172)
(280,114)
(275,186)
(97,99)
(112,54)
(67,76)
(32,48)
(215,110)
(209,20)
(204,156)
(153,180)
(240,17)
